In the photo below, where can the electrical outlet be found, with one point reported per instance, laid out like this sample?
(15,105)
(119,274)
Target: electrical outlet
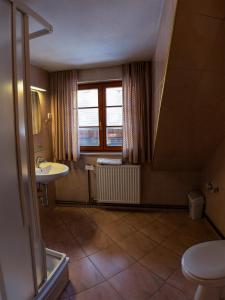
(89,167)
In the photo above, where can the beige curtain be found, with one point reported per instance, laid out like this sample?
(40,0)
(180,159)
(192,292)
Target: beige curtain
(137,112)
(63,89)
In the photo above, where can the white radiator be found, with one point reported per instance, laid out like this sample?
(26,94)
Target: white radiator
(118,184)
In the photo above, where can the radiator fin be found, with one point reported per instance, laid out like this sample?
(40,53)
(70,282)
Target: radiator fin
(118,184)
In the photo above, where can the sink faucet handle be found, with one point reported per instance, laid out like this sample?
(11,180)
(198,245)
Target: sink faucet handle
(38,160)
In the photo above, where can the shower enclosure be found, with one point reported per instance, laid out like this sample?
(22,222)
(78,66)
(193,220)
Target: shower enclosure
(23,264)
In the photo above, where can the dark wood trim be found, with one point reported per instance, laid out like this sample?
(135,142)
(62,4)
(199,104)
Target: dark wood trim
(101,86)
(100,149)
(142,206)
(101,116)
(91,149)
(214,226)
(89,107)
(85,86)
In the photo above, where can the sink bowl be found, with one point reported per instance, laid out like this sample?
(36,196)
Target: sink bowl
(50,171)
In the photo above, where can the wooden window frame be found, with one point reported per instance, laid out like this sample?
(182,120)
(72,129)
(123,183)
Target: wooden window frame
(101,86)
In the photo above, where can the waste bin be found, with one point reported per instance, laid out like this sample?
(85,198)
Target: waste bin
(196,203)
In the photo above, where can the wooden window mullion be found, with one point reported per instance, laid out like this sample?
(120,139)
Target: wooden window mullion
(102,116)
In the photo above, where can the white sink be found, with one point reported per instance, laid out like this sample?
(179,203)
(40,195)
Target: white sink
(50,171)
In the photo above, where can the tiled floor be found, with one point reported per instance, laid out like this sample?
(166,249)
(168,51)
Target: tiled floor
(123,255)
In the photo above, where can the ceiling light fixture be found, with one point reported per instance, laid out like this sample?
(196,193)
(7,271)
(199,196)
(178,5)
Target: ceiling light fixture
(34,88)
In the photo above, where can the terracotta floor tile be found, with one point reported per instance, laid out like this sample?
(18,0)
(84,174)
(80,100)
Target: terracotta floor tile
(56,234)
(118,213)
(94,241)
(118,230)
(84,275)
(178,281)
(70,214)
(161,261)
(168,292)
(80,220)
(68,291)
(157,231)
(138,219)
(90,210)
(64,298)
(103,291)
(115,215)
(64,295)
(103,217)
(198,230)
(177,218)
(81,229)
(116,236)
(137,245)
(47,216)
(178,243)
(111,260)
(153,215)
(136,283)
(70,247)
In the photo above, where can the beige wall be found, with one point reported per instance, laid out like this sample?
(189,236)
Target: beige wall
(74,187)
(192,115)
(100,74)
(157,187)
(169,188)
(39,77)
(42,141)
(215,202)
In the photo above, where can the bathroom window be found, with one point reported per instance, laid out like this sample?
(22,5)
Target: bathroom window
(100,116)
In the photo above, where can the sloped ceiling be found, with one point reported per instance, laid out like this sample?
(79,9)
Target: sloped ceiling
(192,116)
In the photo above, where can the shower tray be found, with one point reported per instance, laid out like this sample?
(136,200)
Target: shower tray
(57,275)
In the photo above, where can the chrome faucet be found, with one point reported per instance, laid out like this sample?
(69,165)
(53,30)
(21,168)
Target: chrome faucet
(38,160)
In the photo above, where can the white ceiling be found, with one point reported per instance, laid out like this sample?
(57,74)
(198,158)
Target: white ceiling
(95,33)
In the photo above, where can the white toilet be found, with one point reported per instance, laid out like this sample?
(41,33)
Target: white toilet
(204,264)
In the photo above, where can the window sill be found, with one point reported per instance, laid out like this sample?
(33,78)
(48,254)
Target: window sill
(101,153)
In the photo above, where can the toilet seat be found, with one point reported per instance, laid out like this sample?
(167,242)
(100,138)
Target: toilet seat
(205,263)
(204,282)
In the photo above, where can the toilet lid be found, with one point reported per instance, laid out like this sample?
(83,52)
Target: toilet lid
(206,260)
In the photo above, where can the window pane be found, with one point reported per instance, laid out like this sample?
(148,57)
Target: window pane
(114,96)
(89,136)
(88,98)
(88,117)
(114,116)
(114,136)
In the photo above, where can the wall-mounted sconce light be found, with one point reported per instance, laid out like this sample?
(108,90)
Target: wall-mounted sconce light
(35,88)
